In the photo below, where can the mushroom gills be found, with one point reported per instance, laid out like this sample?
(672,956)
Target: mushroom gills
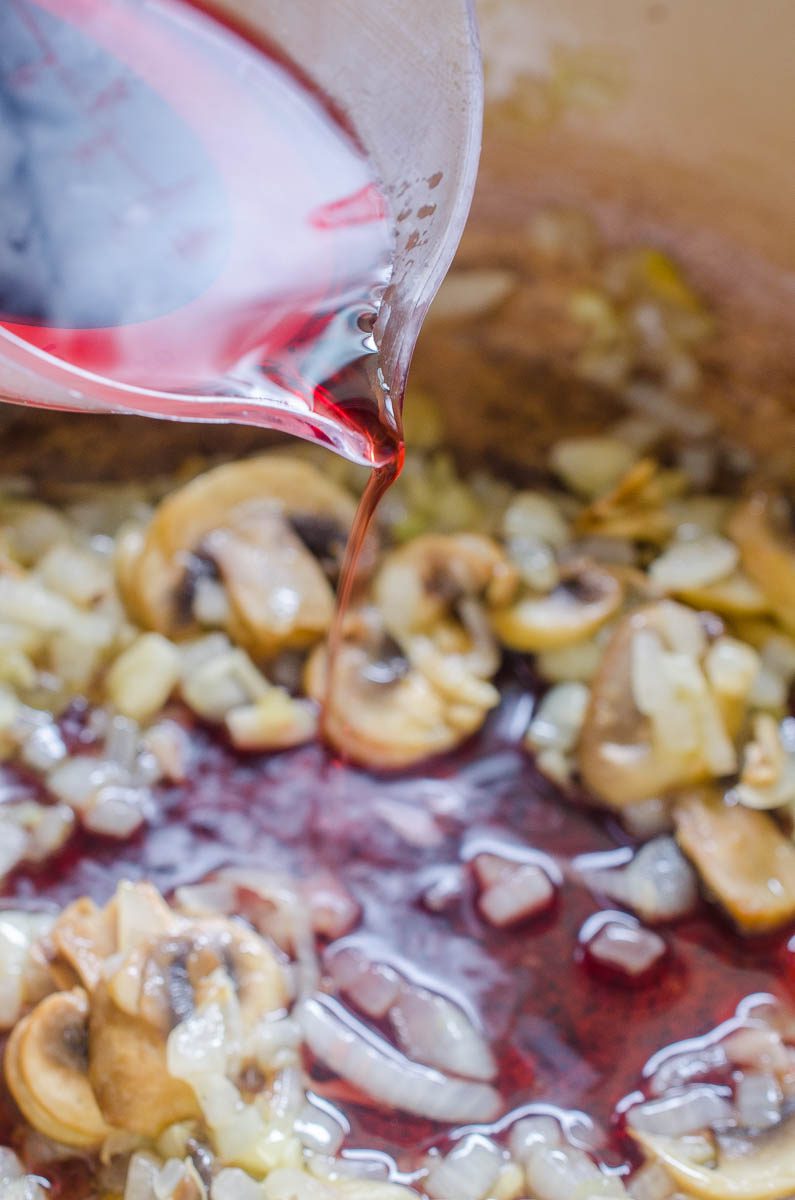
(584,600)
(245,519)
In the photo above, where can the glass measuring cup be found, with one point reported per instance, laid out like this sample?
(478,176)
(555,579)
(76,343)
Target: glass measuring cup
(409,84)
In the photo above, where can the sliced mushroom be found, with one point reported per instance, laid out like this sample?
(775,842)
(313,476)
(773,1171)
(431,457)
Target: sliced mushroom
(768,554)
(161,981)
(735,596)
(247,518)
(384,712)
(128,1073)
(743,858)
(585,599)
(279,595)
(46,1067)
(147,969)
(766,1171)
(435,587)
(653,723)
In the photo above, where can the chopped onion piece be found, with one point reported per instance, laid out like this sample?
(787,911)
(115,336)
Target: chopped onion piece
(141,1177)
(468,1172)
(523,892)
(652,1182)
(758,1098)
(371,1064)
(44,748)
(234,1184)
(661,884)
(687,1111)
(531,1132)
(559,718)
(117,811)
(626,948)
(332,909)
(10,1166)
(51,830)
(695,563)
(434,1031)
(319,1130)
(170,744)
(759,1048)
(590,466)
(372,987)
(18,932)
(143,677)
(13,846)
(560,1173)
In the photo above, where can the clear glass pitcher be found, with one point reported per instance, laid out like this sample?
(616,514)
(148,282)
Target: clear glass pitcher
(407,77)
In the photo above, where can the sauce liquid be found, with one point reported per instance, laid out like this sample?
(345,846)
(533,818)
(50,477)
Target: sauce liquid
(564,1035)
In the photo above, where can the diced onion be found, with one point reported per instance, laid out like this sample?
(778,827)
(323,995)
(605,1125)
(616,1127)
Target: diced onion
(659,884)
(434,1031)
(652,1182)
(531,1132)
(629,949)
(559,1173)
(371,1064)
(468,1172)
(522,892)
(234,1184)
(319,1129)
(687,1111)
(758,1098)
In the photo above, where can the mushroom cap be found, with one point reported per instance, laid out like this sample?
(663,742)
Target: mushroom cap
(586,597)
(766,1172)
(422,582)
(236,498)
(46,1068)
(620,759)
(383,713)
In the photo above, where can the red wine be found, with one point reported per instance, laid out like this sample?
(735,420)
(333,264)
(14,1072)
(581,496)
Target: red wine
(564,1035)
(188,228)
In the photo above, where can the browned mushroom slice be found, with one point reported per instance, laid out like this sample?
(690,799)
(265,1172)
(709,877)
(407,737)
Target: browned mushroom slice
(743,858)
(768,554)
(652,723)
(280,596)
(584,600)
(386,714)
(426,581)
(46,1068)
(128,1073)
(162,980)
(765,1171)
(274,489)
